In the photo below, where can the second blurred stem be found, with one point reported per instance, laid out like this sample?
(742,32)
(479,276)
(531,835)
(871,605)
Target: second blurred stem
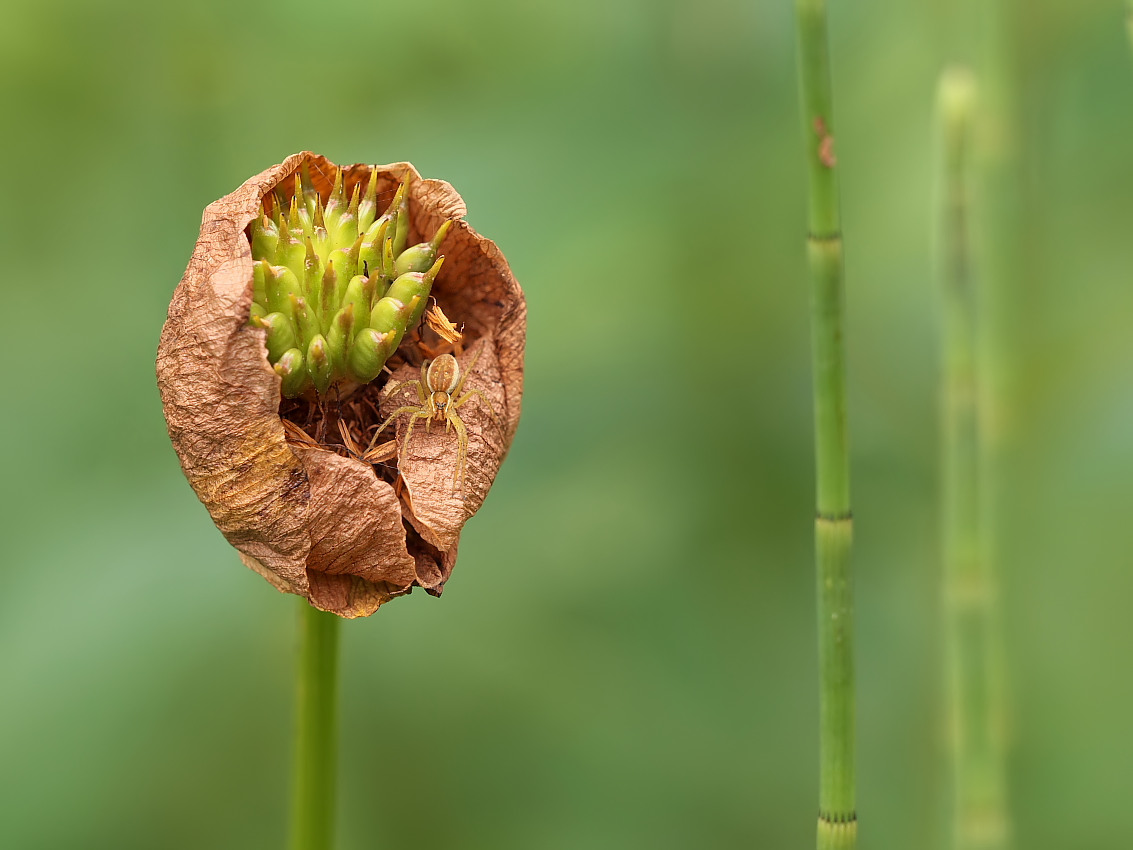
(975,707)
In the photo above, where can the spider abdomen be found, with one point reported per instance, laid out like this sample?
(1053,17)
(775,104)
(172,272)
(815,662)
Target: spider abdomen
(443,375)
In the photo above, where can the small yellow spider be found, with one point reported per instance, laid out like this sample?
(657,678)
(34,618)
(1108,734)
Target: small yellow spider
(439,392)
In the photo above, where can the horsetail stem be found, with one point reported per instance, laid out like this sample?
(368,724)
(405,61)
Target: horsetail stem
(979,820)
(837,819)
(316,726)
(331,277)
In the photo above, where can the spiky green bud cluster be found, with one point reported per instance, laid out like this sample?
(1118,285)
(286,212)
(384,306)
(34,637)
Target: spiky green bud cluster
(336,288)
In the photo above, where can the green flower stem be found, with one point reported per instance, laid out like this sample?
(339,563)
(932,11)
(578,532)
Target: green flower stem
(316,732)
(979,820)
(837,820)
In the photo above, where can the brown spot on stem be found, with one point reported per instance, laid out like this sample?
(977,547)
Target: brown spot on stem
(825,143)
(826,152)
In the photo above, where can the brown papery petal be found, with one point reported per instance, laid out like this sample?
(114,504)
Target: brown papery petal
(428,460)
(309,519)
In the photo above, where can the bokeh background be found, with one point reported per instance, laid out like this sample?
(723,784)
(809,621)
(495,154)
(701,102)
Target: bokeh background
(625,656)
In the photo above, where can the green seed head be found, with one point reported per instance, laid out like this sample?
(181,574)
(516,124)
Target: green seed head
(334,286)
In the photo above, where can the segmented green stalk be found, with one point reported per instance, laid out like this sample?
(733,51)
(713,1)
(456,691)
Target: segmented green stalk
(335,287)
(316,728)
(837,819)
(979,820)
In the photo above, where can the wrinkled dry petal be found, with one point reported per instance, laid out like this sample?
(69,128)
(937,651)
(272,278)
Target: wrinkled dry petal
(308,519)
(428,460)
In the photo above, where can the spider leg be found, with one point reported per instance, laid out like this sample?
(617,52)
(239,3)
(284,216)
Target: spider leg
(416,408)
(467,371)
(391,388)
(482,398)
(461,448)
(420,414)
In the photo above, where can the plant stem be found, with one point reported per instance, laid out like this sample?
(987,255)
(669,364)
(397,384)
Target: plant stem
(979,818)
(316,732)
(837,819)
(985,820)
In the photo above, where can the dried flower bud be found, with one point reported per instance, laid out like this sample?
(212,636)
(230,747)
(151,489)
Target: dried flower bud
(295,285)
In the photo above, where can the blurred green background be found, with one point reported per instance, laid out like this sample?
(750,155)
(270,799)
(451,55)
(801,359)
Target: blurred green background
(625,656)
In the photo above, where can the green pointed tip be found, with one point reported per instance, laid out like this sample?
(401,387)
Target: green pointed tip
(279,283)
(434,270)
(336,205)
(340,324)
(401,237)
(323,243)
(369,353)
(440,235)
(319,366)
(318,219)
(312,275)
(375,234)
(370,251)
(292,375)
(419,257)
(305,320)
(344,269)
(398,196)
(279,206)
(354,200)
(270,226)
(368,206)
(358,295)
(306,185)
(339,339)
(389,268)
